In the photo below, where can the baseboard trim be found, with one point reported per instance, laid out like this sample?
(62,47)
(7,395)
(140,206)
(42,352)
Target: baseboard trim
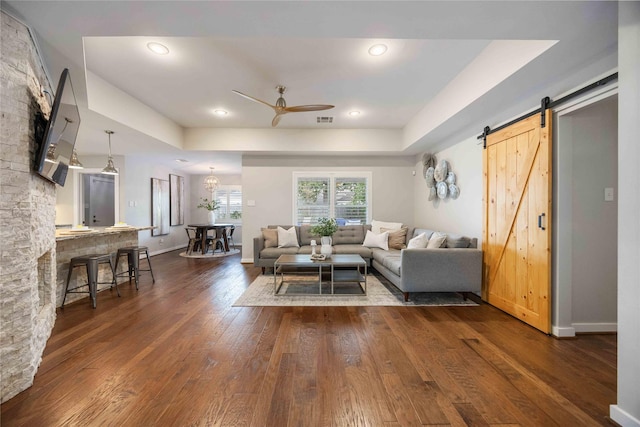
(162,251)
(246,260)
(622,417)
(563,332)
(595,327)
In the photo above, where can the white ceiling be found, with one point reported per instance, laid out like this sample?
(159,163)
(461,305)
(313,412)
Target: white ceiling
(433,84)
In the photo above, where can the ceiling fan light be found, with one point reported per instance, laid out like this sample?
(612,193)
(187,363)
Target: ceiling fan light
(158,48)
(377,49)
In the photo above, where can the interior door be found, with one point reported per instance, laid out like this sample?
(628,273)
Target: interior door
(101,201)
(517,232)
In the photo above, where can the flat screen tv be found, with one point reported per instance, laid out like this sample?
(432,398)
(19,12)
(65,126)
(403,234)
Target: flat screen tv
(56,146)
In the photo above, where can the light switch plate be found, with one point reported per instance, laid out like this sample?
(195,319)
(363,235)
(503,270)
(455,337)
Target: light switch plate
(608,194)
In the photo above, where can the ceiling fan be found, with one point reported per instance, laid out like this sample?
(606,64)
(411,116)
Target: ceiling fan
(281,105)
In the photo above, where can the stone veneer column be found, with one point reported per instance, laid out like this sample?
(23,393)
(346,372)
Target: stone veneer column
(27,215)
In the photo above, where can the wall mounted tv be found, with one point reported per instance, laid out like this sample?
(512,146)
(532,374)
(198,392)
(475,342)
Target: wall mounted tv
(56,146)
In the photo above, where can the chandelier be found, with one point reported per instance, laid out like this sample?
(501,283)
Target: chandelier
(211,182)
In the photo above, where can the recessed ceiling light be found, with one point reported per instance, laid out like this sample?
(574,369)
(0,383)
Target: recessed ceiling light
(182,160)
(158,48)
(220,112)
(354,113)
(377,49)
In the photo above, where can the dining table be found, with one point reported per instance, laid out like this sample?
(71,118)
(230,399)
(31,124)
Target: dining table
(201,233)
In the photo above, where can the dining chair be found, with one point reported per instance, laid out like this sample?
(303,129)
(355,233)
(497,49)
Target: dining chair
(230,231)
(218,240)
(194,243)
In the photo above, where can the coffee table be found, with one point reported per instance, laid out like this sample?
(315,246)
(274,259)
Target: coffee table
(342,268)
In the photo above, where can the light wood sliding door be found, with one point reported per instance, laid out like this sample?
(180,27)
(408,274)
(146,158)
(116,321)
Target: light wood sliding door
(517,220)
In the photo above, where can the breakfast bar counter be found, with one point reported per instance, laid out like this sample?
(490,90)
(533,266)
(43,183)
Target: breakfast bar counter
(72,243)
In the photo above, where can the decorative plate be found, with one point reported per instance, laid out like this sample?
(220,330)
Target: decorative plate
(432,193)
(451,178)
(454,191)
(441,171)
(442,189)
(428,176)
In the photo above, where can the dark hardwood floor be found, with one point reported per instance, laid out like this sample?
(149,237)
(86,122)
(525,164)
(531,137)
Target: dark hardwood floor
(177,353)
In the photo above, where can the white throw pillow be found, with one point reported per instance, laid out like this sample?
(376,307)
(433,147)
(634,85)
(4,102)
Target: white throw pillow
(373,240)
(437,240)
(377,225)
(287,238)
(418,242)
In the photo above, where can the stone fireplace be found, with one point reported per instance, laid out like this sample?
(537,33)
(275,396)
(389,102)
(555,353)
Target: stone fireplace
(27,215)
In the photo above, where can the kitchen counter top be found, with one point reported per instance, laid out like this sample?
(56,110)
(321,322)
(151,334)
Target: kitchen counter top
(68,234)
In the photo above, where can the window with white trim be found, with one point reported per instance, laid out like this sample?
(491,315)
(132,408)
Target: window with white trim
(345,196)
(230,199)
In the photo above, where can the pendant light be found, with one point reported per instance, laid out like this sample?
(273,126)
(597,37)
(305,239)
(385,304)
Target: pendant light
(211,182)
(74,163)
(109,169)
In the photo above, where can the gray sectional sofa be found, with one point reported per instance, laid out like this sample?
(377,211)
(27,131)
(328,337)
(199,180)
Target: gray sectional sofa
(456,267)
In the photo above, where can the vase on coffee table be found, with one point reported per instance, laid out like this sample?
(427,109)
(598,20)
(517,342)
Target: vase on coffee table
(326,249)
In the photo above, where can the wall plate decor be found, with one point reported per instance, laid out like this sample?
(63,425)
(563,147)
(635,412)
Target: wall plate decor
(159,206)
(440,179)
(176,197)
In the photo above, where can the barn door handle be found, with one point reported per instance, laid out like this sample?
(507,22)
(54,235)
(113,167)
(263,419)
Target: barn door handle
(540,226)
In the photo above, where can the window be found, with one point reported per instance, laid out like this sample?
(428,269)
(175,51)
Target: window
(343,196)
(230,199)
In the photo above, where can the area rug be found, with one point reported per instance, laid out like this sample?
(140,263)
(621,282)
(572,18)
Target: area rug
(260,293)
(212,255)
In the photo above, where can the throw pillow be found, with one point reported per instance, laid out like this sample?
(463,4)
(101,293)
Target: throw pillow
(458,242)
(270,236)
(373,240)
(377,225)
(287,238)
(397,238)
(437,240)
(418,242)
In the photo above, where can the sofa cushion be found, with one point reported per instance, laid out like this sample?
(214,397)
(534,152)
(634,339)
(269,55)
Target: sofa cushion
(349,235)
(270,237)
(426,231)
(373,240)
(306,237)
(380,254)
(393,263)
(363,251)
(377,225)
(276,252)
(287,238)
(457,241)
(437,240)
(397,238)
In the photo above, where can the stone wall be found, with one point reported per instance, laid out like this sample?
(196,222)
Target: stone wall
(27,215)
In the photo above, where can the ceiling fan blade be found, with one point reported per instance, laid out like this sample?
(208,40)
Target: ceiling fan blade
(276,120)
(303,108)
(251,98)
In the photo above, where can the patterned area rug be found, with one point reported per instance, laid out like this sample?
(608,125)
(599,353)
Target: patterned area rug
(260,293)
(210,254)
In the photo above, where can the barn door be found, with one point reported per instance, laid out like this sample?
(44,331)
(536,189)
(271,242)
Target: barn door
(517,220)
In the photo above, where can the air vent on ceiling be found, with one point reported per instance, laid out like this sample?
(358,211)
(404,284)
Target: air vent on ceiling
(325,119)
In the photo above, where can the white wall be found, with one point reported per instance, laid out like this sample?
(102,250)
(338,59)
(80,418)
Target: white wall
(136,190)
(594,222)
(463,215)
(268,181)
(627,410)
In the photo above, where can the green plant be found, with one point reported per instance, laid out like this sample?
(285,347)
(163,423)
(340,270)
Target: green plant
(236,215)
(210,205)
(325,227)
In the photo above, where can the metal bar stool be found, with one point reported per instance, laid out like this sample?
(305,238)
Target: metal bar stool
(133,260)
(91,262)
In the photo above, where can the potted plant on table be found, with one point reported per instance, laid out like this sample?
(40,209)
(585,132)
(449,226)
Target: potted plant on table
(325,229)
(212,206)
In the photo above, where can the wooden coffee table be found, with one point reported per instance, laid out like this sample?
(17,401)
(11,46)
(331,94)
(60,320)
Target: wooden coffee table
(341,268)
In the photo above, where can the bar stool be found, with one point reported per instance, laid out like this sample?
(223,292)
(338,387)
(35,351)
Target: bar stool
(91,262)
(133,259)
